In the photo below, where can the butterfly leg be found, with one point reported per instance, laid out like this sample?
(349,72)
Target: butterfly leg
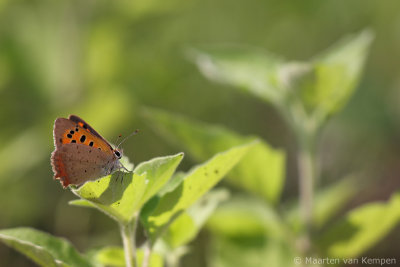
(122,176)
(118,175)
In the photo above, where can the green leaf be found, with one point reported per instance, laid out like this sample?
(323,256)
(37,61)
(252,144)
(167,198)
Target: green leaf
(156,259)
(122,197)
(118,199)
(173,183)
(181,231)
(361,228)
(196,183)
(335,75)
(314,89)
(261,171)
(326,203)
(110,256)
(186,227)
(159,171)
(114,257)
(82,203)
(244,216)
(42,248)
(251,69)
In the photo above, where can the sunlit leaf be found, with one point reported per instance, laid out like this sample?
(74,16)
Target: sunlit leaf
(159,171)
(42,248)
(173,183)
(114,257)
(82,203)
(196,183)
(118,199)
(361,228)
(110,256)
(121,196)
(262,170)
(186,227)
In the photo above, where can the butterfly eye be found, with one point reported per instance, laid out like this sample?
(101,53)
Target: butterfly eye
(117,154)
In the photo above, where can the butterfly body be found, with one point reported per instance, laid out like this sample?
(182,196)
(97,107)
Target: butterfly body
(81,154)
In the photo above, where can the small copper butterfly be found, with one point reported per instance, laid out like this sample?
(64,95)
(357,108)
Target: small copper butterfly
(81,154)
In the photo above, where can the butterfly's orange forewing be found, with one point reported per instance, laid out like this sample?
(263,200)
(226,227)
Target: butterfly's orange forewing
(81,153)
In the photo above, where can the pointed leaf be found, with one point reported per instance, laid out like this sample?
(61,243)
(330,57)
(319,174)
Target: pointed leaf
(118,199)
(248,68)
(361,228)
(261,171)
(336,74)
(186,227)
(122,197)
(196,183)
(42,248)
(159,171)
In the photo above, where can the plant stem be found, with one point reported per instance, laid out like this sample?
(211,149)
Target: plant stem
(128,239)
(147,254)
(306,165)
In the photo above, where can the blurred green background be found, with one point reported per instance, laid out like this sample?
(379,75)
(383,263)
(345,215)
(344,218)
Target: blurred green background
(104,60)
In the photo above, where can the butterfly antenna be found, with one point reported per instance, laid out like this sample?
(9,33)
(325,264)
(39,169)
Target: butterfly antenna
(123,140)
(119,136)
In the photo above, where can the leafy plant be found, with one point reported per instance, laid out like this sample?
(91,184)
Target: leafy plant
(171,206)
(253,231)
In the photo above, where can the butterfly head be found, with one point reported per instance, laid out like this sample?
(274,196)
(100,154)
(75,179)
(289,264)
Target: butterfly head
(117,153)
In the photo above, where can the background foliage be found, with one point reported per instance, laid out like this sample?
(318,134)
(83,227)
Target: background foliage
(106,60)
